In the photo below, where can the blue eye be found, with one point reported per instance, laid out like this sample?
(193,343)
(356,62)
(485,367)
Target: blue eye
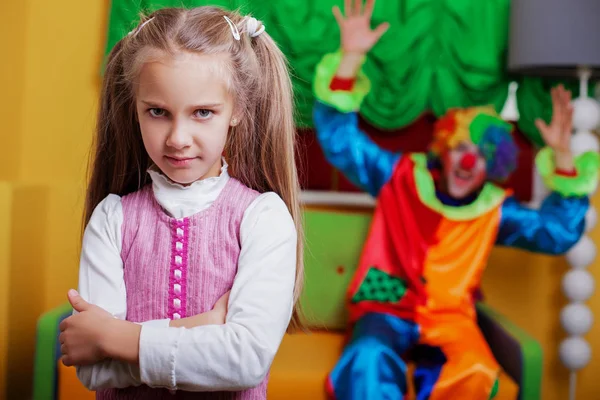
(203,114)
(156,112)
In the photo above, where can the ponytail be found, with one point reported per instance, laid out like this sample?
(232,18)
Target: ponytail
(262,147)
(118,161)
(278,156)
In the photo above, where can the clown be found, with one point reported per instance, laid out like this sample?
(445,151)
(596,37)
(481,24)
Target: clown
(437,217)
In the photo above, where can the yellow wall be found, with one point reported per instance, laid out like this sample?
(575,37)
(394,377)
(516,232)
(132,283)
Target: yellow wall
(5,211)
(48,108)
(49,78)
(12,82)
(64,46)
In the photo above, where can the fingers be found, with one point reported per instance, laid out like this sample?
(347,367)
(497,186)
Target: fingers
(562,97)
(542,127)
(78,303)
(358,7)
(66,359)
(567,127)
(381,29)
(569,120)
(558,131)
(566,110)
(348,8)
(338,15)
(556,106)
(368,12)
(63,324)
(353,9)
(566,94)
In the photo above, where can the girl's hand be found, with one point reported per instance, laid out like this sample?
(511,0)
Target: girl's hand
(216,316)
(83,335)
(557,135)
(221,307)
(355,30)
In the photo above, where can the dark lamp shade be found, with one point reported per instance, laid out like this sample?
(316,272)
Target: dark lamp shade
(554,37)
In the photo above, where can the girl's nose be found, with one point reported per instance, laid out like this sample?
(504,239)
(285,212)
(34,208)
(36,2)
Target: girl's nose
(178,138)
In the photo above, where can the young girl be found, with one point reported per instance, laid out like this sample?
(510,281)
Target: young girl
(171,227)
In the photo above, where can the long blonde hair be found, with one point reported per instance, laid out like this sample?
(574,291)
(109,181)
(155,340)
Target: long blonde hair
(259,149)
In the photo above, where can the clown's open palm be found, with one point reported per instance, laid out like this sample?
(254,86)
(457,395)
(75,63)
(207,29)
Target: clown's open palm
(558,134)
(356,34)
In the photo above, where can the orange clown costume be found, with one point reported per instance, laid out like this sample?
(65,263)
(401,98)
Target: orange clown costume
(421,266)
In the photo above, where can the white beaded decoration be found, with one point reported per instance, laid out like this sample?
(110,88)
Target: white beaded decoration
(578,284)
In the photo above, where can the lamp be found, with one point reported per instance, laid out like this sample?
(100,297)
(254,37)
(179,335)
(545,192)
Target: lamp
(558,38)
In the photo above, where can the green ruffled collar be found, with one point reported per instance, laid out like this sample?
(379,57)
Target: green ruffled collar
(491,196)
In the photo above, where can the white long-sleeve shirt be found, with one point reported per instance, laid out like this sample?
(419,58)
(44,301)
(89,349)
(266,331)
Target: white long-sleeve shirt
(233,356)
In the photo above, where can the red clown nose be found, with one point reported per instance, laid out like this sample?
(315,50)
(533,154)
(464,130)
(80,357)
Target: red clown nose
(468,161)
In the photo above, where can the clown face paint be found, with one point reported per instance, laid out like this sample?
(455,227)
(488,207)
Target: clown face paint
(463,169)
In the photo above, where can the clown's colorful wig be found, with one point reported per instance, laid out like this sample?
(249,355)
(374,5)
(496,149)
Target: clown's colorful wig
(484,128)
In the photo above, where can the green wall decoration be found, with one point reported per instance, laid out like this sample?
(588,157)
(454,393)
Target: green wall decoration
(436,55)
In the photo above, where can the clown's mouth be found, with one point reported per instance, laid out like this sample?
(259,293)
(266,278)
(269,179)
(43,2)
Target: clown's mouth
(462,177)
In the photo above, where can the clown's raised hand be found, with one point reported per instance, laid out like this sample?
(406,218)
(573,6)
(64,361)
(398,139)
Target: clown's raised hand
(356,34)
(557,135)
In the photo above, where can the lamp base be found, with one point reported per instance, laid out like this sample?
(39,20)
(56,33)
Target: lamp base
(586,117)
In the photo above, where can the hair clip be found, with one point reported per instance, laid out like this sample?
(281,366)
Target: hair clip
(234,29)
(136,31)
(252,27)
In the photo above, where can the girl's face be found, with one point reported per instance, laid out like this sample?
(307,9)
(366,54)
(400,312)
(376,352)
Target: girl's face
(464,170)
(184,111)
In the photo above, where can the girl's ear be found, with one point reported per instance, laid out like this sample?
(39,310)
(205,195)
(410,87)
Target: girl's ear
(236,116)
(235,119)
